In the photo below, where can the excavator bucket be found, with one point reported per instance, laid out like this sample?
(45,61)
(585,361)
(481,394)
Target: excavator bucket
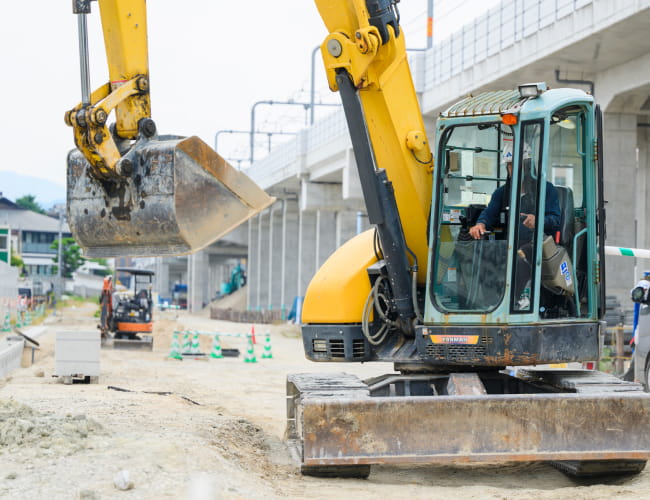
(179,197)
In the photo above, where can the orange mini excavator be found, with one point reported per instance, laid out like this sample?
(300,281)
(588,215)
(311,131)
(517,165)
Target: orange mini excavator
(126,319)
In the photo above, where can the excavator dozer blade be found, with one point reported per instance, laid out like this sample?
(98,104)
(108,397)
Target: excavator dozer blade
(336,421)
(180,197)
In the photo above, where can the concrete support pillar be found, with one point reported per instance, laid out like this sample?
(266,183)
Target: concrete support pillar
(197,289)
(253,263)
(306,250)
(275,256)
(643,188)
(290,254)
(620,138)
(325,236)
(213,279)
(263,251)
(346,226)
(260,263)
(188,281)
(161,281)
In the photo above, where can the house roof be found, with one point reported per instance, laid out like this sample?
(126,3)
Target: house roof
(26,220)
(6,203)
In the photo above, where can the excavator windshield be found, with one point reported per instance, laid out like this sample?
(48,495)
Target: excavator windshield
(470,274)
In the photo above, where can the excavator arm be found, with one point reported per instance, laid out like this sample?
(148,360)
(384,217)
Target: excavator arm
(366,45)
(131,192)
(365,60)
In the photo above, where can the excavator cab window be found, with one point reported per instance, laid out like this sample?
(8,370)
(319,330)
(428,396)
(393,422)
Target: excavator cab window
(470,275)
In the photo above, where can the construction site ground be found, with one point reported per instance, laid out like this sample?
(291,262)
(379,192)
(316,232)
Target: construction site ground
(206,429)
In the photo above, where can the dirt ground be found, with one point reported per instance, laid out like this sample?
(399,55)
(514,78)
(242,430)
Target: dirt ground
(211,429)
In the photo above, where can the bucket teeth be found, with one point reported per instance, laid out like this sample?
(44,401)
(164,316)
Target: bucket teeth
(180,197)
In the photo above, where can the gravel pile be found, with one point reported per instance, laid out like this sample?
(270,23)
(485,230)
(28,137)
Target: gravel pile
(21,425)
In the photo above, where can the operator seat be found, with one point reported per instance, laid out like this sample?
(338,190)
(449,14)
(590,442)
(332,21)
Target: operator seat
(565,199)
(557,299)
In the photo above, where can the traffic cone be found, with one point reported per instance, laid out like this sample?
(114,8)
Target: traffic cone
(28,318)
(267,354)
(196,346)
(216,348)
(250,352)
(253,334)
(19,323)
(186,344)
(6,326)
(175,351)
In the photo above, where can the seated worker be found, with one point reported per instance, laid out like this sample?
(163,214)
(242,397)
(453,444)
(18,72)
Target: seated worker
(491,215)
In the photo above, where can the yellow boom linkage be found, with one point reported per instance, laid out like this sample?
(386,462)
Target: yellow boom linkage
(130,191)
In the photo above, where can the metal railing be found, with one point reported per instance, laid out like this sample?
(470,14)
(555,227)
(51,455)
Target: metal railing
(38,248)
(500,27)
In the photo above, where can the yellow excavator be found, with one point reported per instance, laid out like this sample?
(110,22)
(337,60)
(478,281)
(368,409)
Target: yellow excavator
(476,272)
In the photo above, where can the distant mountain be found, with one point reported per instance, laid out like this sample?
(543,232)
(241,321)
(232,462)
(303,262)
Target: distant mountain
(47,193)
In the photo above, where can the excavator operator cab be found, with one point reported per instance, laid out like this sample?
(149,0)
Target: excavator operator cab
(536,262)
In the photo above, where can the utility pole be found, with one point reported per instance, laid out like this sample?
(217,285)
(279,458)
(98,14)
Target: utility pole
(59,274)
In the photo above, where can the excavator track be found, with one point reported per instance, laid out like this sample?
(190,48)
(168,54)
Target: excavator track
(586,382)
(585,423)
(340,384)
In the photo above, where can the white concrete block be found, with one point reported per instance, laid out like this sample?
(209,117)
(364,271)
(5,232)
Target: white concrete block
(77,354)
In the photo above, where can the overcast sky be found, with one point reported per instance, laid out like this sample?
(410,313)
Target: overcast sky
(210,61)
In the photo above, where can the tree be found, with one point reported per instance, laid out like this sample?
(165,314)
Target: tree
(17,261)
(70,256)
(102,262)
(28,202)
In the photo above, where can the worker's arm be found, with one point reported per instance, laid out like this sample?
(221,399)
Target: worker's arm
(552,214)
(489,216)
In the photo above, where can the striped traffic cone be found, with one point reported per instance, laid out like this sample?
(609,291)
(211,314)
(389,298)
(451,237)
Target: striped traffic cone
(6,326)
(216,348)
(195,348)
(250,352)
(186,344)
(28,318)
(267,354)
(175,352)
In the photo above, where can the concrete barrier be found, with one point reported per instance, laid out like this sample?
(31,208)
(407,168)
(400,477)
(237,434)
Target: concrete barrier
(11,353)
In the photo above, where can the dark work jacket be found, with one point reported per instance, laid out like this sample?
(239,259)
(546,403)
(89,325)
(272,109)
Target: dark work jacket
(490,215)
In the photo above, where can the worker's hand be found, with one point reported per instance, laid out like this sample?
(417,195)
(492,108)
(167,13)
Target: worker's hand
(528,220)
(477,231)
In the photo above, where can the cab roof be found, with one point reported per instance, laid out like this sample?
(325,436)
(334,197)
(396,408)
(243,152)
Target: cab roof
(486,103)
(503,101)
